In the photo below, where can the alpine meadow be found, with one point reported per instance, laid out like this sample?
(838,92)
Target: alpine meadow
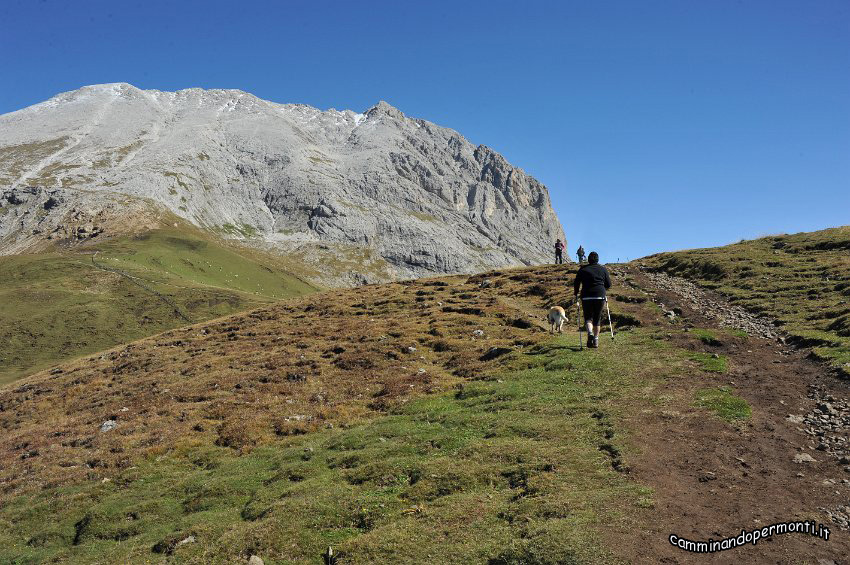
(424,283)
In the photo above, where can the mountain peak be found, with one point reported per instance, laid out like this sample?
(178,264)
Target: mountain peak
(108,88)
(417,197)
(383,108)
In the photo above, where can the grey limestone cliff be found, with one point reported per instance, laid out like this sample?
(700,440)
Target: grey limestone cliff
(417,195)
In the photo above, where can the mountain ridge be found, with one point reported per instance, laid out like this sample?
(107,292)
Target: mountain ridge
(416,194)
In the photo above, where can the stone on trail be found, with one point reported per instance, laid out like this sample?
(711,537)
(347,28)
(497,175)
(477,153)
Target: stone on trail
(804,458)
(108,425)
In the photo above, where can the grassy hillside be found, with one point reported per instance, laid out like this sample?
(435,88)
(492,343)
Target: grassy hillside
(429,421)
(801,280)
(69,302)
(426,422)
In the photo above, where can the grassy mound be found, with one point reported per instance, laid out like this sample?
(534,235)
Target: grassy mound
(801,280)
(62,304)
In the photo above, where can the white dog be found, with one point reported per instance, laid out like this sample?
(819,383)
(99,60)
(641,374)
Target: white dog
(556,318)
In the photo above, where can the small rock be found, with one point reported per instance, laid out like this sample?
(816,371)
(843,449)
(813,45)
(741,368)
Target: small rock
(826,408)
(486,283)
(184,541)
(804,458)
(410,349)
(108,425)
(478,333)
(254,560)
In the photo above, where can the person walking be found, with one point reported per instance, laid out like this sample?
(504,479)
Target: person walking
(593,280)
(559,252)
(580,254)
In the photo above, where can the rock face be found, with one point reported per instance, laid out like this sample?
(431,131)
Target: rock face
(418,195)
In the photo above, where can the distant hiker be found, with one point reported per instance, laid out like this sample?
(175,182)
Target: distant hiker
(559,251)
(593,280)
(580,253)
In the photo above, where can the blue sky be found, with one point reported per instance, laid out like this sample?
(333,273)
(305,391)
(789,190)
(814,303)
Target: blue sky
(656,125)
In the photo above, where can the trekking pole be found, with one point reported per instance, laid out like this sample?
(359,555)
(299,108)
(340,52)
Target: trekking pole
(578,319)
(610,324)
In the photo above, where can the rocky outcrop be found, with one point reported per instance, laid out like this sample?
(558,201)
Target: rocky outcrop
(32,216)
(415,194)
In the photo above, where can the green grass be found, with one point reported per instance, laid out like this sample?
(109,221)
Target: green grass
(242,230)
(724,403)
(200,261)
(57,306)
(708,362)
(521,467)
(800,280)
(708,337)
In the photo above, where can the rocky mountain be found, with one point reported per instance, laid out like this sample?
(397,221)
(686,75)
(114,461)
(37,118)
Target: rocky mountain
(409,197)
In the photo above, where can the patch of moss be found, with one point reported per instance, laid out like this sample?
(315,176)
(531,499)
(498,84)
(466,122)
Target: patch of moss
(711,362)
(724,403)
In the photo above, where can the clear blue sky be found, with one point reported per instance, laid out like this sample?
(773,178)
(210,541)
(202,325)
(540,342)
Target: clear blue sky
(656,125)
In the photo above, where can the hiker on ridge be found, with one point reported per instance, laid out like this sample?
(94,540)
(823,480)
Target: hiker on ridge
(559,251)
(580,254)
(593,280)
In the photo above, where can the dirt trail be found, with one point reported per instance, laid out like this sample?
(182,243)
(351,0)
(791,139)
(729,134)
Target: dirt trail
(711,478)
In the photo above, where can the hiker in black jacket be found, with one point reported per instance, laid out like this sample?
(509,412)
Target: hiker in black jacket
(580,254)
(593,280)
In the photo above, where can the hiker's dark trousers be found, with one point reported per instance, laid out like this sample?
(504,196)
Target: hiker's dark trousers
(592,310)
(559,256)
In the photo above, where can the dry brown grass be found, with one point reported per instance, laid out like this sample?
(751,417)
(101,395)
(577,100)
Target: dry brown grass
(332,359)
